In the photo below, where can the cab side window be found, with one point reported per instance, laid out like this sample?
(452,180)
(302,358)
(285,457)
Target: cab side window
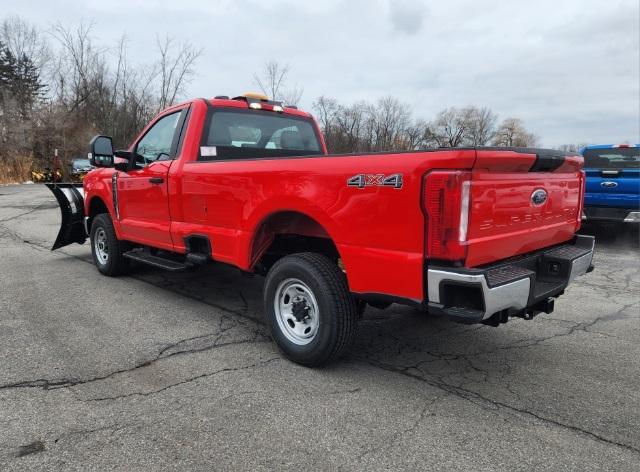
(157,142)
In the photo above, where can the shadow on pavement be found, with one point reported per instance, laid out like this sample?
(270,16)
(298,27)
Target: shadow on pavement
(623,236)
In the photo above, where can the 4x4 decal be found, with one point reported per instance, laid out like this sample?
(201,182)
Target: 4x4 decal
(380,180)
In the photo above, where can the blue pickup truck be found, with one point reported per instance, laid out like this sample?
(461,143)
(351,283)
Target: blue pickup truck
(613,183)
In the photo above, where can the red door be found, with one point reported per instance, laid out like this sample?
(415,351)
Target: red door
(144,205)
(143,199)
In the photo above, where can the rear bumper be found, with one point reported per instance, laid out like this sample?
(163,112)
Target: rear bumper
(618,215)
(522,286)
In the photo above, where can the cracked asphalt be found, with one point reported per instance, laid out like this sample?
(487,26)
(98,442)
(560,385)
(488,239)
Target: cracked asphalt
(177,371)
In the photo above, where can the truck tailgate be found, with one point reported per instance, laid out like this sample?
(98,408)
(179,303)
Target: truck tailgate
(522,201)
(613,188)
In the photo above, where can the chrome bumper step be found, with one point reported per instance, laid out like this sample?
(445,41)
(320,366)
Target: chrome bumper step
(520,286)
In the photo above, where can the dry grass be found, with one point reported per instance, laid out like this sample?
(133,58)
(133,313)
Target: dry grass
(15,169)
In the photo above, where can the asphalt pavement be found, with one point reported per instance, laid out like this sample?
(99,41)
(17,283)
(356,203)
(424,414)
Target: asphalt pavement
(160,371)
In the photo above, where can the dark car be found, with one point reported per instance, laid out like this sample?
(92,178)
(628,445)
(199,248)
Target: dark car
(80,168)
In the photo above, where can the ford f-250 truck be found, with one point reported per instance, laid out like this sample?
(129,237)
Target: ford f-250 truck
(478,235)
(613,183)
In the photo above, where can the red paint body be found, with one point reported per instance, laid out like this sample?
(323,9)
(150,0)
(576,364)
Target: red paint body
(379,231)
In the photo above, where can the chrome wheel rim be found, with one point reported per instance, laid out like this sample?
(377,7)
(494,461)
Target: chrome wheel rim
(296,311)
(100,246)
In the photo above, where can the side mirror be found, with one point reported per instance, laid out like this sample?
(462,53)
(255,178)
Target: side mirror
(121,160)
(101,151)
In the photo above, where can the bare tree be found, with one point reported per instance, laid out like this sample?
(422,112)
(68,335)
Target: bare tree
(80,67)
(351,122)
(450,127)
(361,126)
(292,95)
(24,39)
(512,133)
(481,126)
(132,103)
(91,88)
(272,81)
(415,137)
(100,91)
(175,69)
(388,125)
(388,121)
(453,127)
(571,147)
(326,109)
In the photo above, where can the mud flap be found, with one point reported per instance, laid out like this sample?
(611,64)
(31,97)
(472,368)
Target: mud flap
(71,201)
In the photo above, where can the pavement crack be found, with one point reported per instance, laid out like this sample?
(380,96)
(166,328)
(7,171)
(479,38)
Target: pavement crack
(31,448)
(46,384)
(165,286)
(350,390)
(573,328)
(33,209)
(182,382)
(482,401)
(397,436)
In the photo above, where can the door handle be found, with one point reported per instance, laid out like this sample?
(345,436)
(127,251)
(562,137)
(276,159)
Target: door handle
(156,180)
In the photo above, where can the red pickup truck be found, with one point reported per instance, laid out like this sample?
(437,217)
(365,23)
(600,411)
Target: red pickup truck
(475,234)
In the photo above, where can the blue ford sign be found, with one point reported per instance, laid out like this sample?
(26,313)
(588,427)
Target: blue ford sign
(538,197)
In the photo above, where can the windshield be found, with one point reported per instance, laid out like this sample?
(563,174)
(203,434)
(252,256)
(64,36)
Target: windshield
(612,158)
(238,134)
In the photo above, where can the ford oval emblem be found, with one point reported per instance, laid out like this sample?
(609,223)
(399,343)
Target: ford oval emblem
(609,184)
(538,197)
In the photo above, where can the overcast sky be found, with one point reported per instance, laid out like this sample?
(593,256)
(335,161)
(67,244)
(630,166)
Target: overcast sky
(568,68)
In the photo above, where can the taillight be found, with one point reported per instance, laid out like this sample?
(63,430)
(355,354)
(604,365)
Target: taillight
(583,184)
(446,201)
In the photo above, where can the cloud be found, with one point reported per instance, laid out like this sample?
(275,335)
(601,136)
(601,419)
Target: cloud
(407,16)
(569,69)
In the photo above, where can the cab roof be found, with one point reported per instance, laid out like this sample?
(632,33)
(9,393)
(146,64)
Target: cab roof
(607,146)
(252,100)
(610,146)
(244,101)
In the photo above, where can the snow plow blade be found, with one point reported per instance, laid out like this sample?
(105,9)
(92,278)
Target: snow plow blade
(71,201)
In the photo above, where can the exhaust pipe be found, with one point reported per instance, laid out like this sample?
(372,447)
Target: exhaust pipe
(70,198)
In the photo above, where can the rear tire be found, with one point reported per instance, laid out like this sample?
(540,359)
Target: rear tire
(310,312)
(106,248)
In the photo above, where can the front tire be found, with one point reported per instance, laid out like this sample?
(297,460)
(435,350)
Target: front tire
(310,312)
(106,248)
